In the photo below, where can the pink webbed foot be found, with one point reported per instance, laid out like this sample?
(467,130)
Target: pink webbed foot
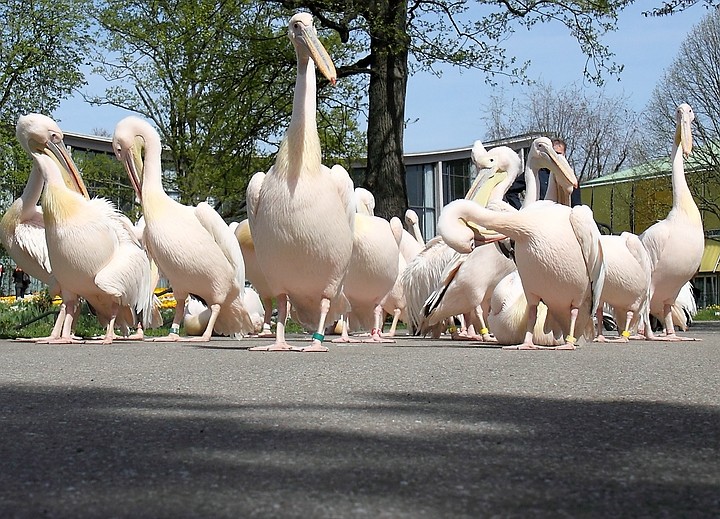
(65,340)
(673,338)
(376,337)
(277,346)
(171,337)
(346,340)
(315,346)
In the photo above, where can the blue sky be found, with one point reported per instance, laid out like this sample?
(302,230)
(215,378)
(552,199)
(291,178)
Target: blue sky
(447,111)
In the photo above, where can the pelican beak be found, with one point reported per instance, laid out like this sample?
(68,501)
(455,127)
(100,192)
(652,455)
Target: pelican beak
(483,236)
(483,185)
(134,166)
(684,132)
(71,174)
(320,56)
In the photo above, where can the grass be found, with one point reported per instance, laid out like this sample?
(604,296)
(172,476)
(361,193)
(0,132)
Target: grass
(710,313)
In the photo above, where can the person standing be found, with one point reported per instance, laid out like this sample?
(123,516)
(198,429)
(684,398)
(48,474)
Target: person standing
(21,279)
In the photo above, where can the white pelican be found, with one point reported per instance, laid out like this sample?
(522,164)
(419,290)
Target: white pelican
(558,255)
(197,315)
(92,248)
(412,222)
(254,274)
(508,317)
(302,213)
(627,282)
(22,230)
(192,246)
(364,201)
(469,280)
(675,244)
(424,272)
(371,274)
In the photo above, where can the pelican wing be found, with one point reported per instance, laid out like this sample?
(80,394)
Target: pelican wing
(30,238)
(588,236)
(252,195)
(654,239)
(345,188)
(225,239)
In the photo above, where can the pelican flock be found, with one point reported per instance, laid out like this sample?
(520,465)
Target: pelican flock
(312,244)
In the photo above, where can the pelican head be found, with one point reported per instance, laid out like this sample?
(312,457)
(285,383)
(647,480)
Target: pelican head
(303,36)
(128,144)
(684,116)
(39,134)
(497,170)
(543,155)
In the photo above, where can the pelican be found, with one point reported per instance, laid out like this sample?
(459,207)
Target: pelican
(508,317)
(372,273)
(254,274)
(412,222)
(302,213)
(558,253)
(197,315)
(675,244)
(627,282)
(364,201)
(92,247)
(424,273)
(192,246)
(469,280)
(22,230)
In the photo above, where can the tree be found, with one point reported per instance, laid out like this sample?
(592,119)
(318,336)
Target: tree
(216,79)
(693,78)
(599,129)
(401,36)
(42,47)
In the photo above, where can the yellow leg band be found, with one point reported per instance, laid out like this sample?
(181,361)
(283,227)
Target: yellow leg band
(570,338)
(625,333)
(452,329)
(484,331)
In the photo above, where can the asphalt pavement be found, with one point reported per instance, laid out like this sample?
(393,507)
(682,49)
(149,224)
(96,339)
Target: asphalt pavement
(416,429)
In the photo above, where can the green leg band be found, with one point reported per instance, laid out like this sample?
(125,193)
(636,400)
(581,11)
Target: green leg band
(319,336)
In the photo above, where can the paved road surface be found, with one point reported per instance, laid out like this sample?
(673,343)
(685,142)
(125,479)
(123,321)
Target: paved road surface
(419,428)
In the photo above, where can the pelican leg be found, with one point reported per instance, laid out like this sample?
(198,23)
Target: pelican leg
(68,311)
(570,339)
(393,326)
(207,334)
(670,334)
(174,334)
(599,337)
(484,334)
(110,331)
(467,330)
(528,343)
(280,342)
(266,331)
(344,335)
(376,333)
(316,344)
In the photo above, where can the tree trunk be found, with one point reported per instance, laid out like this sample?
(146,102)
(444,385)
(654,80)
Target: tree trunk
(386,112)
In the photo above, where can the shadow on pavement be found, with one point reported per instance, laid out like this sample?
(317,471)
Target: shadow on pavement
(86,452)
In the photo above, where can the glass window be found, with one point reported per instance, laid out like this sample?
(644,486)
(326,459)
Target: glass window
(456,179)
(421,196)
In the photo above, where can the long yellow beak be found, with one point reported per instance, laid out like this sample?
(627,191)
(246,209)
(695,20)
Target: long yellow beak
(683,133)
(134,166)
(484,184)
(320,56)
(70,172)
